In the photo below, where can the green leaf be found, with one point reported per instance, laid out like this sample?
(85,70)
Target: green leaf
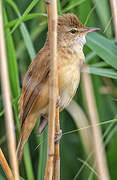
(12,62)
(21,178)
(24,31)
(103,47)
(72,5)
(111,155)
(102,9)
(28,163)
(26,18)
(110,73)
(28,41)
(43,156)
(32,4)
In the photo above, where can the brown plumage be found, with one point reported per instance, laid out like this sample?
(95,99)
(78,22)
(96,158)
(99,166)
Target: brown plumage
(35,91)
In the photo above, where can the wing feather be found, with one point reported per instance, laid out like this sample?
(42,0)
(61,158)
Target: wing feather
(33,82)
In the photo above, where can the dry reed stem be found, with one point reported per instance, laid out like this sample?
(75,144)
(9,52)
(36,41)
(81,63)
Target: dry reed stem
(114,13)
(56,172)
(81,121)
(52,4)
(99,154)
(7,101)
(5,166)
(48,13)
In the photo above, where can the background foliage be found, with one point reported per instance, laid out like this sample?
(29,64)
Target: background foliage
(25,24)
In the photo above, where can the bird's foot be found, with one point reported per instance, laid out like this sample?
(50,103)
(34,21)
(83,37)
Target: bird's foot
(58,136)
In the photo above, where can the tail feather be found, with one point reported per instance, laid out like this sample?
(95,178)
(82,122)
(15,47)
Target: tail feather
(26,129)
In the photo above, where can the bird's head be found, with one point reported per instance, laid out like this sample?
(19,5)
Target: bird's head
(71,32)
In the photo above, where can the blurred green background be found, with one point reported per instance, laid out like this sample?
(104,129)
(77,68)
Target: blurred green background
(25,25)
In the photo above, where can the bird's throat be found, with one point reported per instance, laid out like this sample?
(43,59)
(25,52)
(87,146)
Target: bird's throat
(79,43)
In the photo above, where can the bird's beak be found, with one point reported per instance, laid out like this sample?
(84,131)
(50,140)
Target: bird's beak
(91,29)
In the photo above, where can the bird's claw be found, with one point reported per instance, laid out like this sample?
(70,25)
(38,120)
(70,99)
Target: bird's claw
(58,136)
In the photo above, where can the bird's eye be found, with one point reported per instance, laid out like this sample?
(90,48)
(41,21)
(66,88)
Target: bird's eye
(73,31)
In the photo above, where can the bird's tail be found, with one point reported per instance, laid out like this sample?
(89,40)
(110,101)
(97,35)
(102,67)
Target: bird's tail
(25,133)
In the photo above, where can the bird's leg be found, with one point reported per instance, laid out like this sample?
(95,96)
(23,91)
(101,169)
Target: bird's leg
(58,136)
(47,2)
(43,123)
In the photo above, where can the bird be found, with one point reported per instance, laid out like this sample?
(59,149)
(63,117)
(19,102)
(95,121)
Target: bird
(34,99)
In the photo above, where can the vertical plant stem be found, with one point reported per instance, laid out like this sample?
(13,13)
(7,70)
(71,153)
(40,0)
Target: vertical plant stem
(7,101)
(53,87)
(5,166)
(114,13)
(48,13)
(56,172)
(99,153)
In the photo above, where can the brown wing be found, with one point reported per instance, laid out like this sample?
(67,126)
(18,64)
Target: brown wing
(34,79)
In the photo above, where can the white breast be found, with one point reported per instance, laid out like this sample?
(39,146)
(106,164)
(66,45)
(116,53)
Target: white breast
(79,42)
